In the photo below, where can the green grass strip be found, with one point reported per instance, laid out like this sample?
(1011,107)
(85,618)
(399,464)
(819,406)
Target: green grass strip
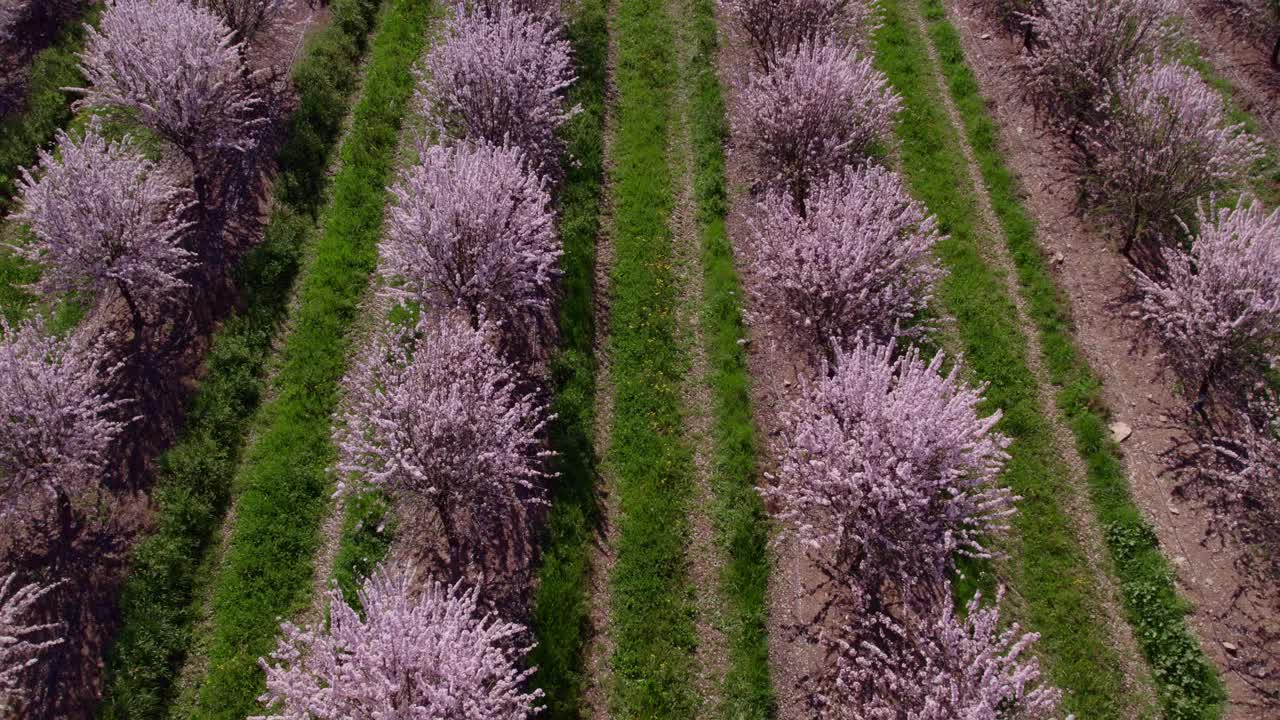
(651,615)
(1188,686)
(1051,573)
(283,487)
(740,520)
(158,602)
(561,602)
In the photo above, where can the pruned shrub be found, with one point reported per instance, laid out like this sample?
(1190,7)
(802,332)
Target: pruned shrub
(819,109)
(440,420)
(778,28)
(939,666)
(1165,143)
(105,219)
(1216,306)
(402,654)
(501,79)
(1083,47)
(471,229)
(857,262)
(888,472)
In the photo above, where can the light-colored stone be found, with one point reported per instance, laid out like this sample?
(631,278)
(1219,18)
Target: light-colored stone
(1120,431)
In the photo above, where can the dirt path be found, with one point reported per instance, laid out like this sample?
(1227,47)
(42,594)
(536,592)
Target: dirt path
(775,369)
(599,649)
(706,556)
(1095,278)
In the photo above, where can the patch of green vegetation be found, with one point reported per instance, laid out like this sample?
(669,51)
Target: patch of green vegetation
(652,614)
(1188,686)
(741,523)
(193,485)
(1051,574)
(560,602)
(282,488)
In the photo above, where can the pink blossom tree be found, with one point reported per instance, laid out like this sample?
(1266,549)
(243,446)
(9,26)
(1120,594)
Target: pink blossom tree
(1236,472)
(548,9)
(858,260)
(1015,16)
(1082,47)
(471,229)
(888,472)
(441,420)
(412,655)
(20,648)
(501,79)
(938,667)
(817,110)
(1216,307)
(1166,142)
(177,66)
(55,424)
(778,28)
(104,218)
(247,17)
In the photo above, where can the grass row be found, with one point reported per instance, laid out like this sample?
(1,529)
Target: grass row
(651,615)
(560,602)
(283,486)
(741,523)
(1186,683)
(1051,573)
(193,485)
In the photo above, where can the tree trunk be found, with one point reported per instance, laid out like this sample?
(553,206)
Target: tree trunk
(139,325)
(1275,54)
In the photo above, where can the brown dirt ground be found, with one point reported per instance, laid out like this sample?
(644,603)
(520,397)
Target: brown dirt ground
(706,556)
(600,645)
(775,368)
(1136,386)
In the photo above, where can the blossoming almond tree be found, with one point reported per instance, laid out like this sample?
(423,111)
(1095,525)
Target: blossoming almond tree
(55,425)
(547,9)
(1165,143)
(247,17)
(779,27)
(858,260)
(439,418)
(501,78)
(20,648)
(406,655)
(471,229)
(1082,47)
(104,218)
(938,666)
(888,473)
(177,66)
(817,110)
(1216,306)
